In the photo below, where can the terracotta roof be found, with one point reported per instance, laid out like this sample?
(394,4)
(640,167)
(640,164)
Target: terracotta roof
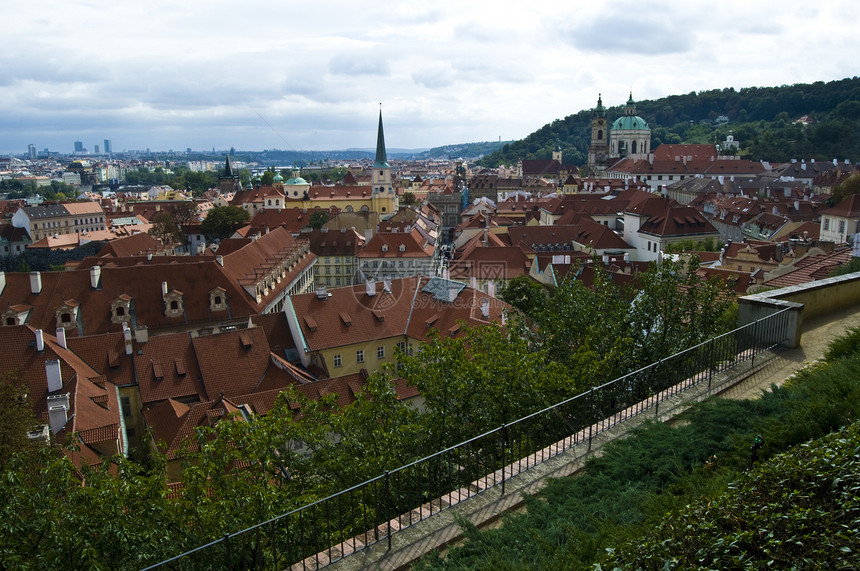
(159,357)
(849,207)
(232,363)
(397,245)
(94,408)
(402,311)
(810,268)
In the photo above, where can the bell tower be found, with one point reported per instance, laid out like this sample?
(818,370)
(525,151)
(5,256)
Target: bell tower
(598,150)
(384,197)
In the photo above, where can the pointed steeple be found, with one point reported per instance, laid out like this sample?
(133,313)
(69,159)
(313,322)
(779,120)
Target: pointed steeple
(600,111)
(381,158)
(228,168)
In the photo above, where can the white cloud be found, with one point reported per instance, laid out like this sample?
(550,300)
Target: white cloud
(258,74)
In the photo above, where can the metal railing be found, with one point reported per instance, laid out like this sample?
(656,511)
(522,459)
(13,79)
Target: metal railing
(332,528)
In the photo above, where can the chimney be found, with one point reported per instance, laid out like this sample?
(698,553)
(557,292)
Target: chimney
(141,334)
(474,283)
(149,256)
(61,338)
(163,288)
(35,282)
(40,341)
(605,258)
(126,335)
(803,166)
(797,205)
(321,292)
(485,308)
(491,289)
(370,287)
(2,282)
(220,260)
(53,374)
(58,411)
(95,276)
(386,285)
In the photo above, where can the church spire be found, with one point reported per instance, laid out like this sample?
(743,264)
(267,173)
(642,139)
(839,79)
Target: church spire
(228,168)
(381,158)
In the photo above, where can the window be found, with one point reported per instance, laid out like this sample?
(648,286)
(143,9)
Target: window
(126,406)
(380,352)
(130,432)
(337,361)
(841,226)
(402,346)
(359,356)
(827,224)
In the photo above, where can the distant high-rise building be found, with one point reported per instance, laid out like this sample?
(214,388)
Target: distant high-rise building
(32,150)
(96,147)
(108,147)
(79,147)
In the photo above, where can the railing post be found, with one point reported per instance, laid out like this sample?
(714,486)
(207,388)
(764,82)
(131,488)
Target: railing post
(754,342)
(504,453)
(388,504)
(227,555)
(590,416)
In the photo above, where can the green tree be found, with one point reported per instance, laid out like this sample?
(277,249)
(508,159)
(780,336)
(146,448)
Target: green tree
(164,228)
(222,221)
(318,218)
(17,418)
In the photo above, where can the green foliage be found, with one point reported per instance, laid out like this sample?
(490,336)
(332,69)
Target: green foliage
(467,382)
(318,218)
(845,345)
(17,418)
(222,221)
(44,259)
(690,245)
(164,228)
(761,118)
(846,188)
(677,496)
(796,511)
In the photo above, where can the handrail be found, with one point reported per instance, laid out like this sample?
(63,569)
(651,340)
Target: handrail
(494,462)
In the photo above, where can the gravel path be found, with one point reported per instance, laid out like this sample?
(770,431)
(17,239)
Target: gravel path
(817,335)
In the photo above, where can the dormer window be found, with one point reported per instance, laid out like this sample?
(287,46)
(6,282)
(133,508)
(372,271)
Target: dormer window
(67,314)
(173,304)
(402,247)
(385,247)
(218,299)
(120,309)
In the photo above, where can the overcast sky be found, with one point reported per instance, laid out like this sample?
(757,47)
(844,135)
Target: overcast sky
(262,74)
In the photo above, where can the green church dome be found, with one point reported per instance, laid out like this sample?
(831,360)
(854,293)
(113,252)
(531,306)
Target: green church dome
(278,178)
(630,123)
(295,180)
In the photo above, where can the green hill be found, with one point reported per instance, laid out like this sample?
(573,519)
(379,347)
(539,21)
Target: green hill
(763,119)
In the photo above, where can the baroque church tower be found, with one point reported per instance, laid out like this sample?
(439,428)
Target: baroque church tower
(598,150)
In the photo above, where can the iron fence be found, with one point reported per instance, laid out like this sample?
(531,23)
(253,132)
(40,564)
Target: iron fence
(332,528)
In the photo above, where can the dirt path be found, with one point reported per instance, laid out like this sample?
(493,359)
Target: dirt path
(817,335)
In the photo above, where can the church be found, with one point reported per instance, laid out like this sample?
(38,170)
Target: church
(629,136)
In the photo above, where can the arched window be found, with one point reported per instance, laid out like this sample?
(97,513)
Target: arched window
(600,134)
(633,147)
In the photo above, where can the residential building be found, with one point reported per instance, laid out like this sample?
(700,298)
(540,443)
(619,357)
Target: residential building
(344,330)
(336,251)
(842,221)
(397,255)
(57,219)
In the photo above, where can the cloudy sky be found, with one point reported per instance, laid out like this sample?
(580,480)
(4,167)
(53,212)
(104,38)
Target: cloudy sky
(261,74)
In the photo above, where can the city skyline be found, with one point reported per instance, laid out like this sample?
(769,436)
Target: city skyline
(199,76)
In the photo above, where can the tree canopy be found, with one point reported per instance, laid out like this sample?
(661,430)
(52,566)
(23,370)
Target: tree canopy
(222,221)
